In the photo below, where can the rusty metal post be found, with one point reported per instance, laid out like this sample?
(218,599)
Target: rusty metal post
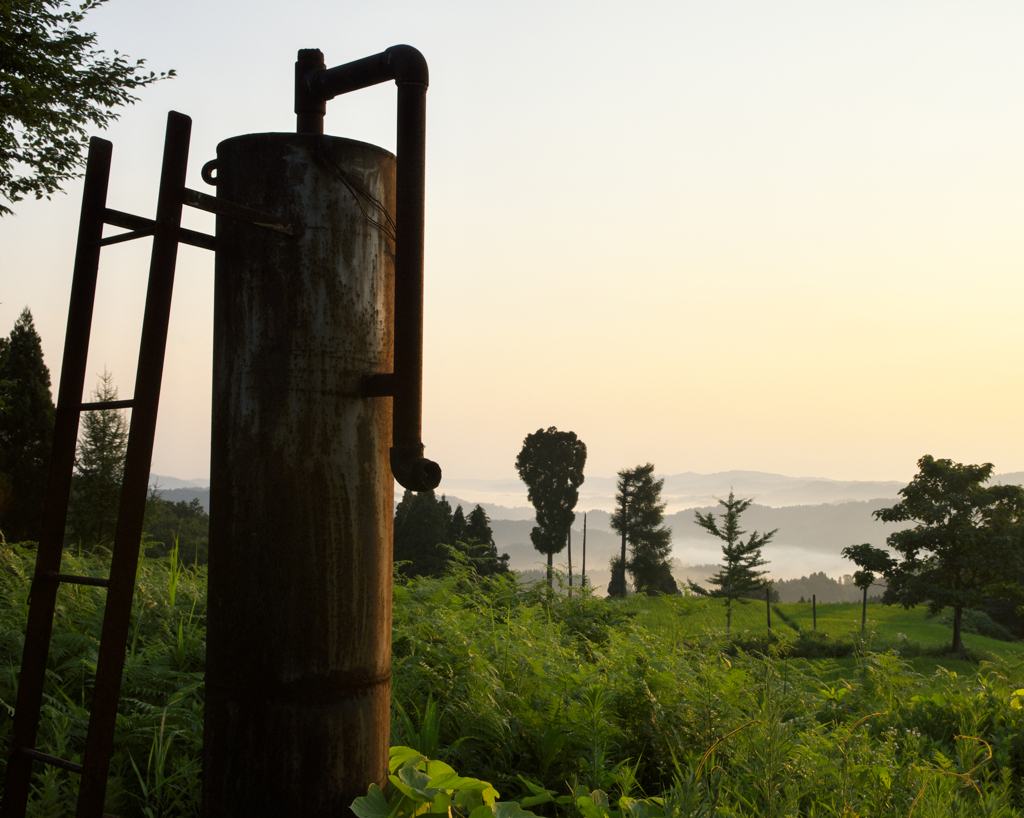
(299,617)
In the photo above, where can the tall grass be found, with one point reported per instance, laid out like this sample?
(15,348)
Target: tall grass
(158,735)
(577,706)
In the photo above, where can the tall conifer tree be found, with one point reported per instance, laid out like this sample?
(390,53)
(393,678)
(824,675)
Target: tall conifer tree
(638,517)
(738,575)
(26,431)
(99,470)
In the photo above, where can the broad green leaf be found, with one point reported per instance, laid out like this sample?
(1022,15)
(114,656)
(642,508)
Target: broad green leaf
(372,805)
(406,790)
(510,809)
(404,757)
(435,767)
(416,779)
(453,781)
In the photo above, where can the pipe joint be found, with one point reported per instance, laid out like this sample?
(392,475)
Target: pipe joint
(412,470)
(407,65)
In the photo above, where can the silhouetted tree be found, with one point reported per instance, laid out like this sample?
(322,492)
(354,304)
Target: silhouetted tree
(26,431)
(551,464)
(738,576)
(638,517)
(456,525)
(478,526)
(965,546)
(421,529)
(426,529)
(99,469)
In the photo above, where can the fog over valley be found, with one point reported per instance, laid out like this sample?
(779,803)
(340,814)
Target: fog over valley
(815,517)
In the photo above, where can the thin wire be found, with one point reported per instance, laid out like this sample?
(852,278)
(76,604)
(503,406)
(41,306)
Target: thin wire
(390,228)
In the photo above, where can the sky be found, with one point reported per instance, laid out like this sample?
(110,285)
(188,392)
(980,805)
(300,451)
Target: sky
(782,237)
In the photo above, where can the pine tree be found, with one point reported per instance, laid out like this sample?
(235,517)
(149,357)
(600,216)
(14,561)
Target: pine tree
(478,526)
(99,469)
(421,528)
(456,526)
(638,517)
(426,529)
(26,431)
(738,576)
(479,541)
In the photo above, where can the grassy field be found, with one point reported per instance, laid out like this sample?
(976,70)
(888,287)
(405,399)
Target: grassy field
(913,632)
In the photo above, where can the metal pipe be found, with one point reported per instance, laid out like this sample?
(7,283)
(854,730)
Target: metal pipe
(314,85)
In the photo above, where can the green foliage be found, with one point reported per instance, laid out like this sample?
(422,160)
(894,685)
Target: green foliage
(99,469)
(738,576)
(158,737)
(965,544)
(551,464)
(566,706)
(55,84)
(638,518)
(26,430)
(179,526)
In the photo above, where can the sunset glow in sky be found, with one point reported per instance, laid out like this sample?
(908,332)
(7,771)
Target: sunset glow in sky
(784,237)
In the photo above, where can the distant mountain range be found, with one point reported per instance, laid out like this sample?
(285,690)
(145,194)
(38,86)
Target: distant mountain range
(815,517)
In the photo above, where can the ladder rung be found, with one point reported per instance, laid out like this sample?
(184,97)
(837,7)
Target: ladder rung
(117,218)
(144,227)
(121,237)
(107,404)
(53,761)
(211,204)
(99,582)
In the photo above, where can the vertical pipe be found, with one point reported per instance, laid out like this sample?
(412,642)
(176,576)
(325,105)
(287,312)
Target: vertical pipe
(301,506)
(407,446)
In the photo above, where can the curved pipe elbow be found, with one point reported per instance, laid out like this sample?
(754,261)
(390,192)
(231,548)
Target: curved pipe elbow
(407,64)
(412,470)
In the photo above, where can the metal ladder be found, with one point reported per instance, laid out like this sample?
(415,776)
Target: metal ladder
(167,233)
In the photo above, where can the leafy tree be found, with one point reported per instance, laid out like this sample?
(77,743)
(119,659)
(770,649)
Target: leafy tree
(638,517)
(738,575)
(551,464)
(965,545)
(54,82)
(183,523)
(99,470)
(26,431)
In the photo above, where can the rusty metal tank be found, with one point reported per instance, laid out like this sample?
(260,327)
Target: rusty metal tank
(301,490)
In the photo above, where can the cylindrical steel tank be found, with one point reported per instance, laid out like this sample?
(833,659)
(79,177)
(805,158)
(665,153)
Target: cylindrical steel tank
(299,617)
